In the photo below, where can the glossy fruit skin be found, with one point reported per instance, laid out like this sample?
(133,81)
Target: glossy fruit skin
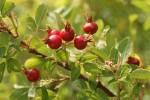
(80,42)
(53,32)
(55,41)
(67,34)
(33,75)
(90,27)
(133,60)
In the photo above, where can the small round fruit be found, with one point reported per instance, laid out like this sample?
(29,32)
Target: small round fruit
(80,42)
(90,27)
(53,32)
(55,42)
(33,75)
(133,60)
(67,34)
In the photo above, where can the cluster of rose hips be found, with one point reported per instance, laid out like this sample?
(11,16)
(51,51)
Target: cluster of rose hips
(54,41)
(55,37)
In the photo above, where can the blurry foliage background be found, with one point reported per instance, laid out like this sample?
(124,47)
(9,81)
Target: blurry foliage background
(125,17)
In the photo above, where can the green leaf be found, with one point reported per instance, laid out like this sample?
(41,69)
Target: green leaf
(50,66)
(91,68)
(31,24)
(2,70)
(125,48)
(140,74)
(7,8)
(114,55)
(62,55)
(100,53)
(44,93)
(2,51)
(136,88)
(34,62)
(146,25)
(13,65)
(40,13)
(75,71)
(4,38)
(2,60)
(88,58)
(123,71)
(19,94)
(101,94)
(59,21)
(82,96)
(2,4)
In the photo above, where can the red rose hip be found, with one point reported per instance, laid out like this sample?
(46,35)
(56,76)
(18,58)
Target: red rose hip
(53,32)
(67,34)
(33,75)
(54,41)
(133,60)
(80,42)
(90,27)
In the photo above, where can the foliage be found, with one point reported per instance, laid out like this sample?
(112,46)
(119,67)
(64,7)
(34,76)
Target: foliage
(99,72)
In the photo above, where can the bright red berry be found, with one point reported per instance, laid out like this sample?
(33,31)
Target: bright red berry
(67,34)
(80,42)
(53,32)
(33,75)
(90,27)
(54,42)
(133,60)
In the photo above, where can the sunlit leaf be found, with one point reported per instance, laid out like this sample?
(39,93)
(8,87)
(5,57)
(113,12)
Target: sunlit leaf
(40,13)
(88,58)
(62,55)
(140,74)
(146,25)
(32,91)
(91,68)
(31,23)
(100,53)
(125,48)
(7,8)
(114,55)
(59,21)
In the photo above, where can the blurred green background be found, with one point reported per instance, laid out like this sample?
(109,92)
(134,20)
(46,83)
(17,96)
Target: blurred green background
(125,17)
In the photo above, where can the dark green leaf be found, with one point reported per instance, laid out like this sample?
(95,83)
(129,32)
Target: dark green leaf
(31,23)
(19,94)
(59,20)
(2,70)
(125,48)
(40,13)
(88,58)
(101,94)
(100,53)
(4,38)
(82,96)
(75,71)
(114,55)
(44,93)
(140,74)
(62,55)
(107,73)
(34,62)
(13,65)
(7,8)
(111,81)
(2,4)
(2,51)
(136,88)
(91,68)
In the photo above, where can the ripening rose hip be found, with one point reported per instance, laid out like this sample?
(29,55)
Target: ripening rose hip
(133,60)
(90,27)
(55,41)
(80,42)
(33,75)
(67,34)
(53,32)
